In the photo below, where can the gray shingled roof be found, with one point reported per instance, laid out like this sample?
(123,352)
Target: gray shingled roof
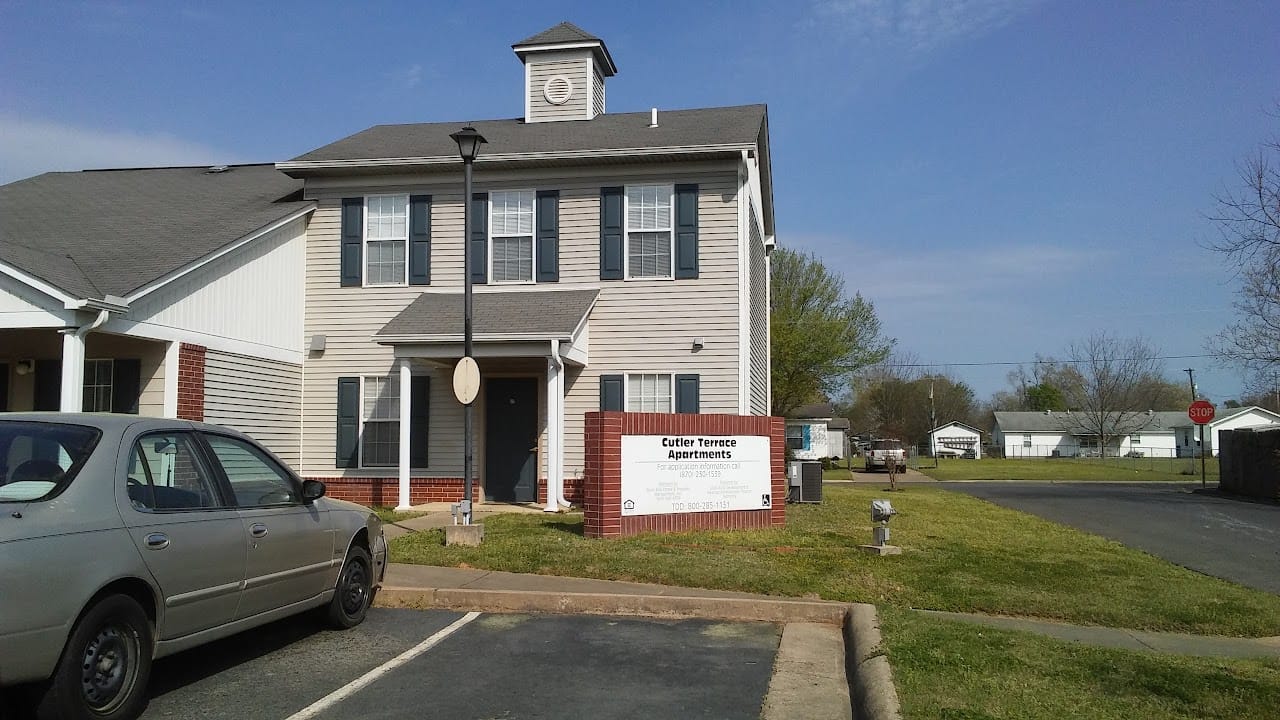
(1057,421)
(109,232)
(740,125)
(565,32)
(813,410)
(541,313)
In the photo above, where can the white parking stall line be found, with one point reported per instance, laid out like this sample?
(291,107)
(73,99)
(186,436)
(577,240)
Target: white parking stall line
(361,682)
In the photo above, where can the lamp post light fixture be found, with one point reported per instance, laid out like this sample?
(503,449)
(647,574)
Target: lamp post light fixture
(469,142)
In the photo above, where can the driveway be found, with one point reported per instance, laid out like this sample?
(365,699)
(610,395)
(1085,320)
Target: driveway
(1228,538)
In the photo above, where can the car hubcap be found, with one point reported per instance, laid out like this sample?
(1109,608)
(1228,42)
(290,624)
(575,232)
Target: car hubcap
(355,589)
(105,667)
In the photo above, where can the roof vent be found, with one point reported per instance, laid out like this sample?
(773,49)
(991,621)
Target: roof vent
(653,118)
(217,169)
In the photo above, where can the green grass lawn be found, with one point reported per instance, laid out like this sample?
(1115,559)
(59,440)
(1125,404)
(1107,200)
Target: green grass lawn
(1071,469)
(947,670)
(960,554)
(391,515)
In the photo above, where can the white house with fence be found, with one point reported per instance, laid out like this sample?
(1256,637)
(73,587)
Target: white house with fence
(1054,433)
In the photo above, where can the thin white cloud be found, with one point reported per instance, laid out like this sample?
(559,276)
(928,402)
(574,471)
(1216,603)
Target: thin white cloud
(31,147)
(917,25)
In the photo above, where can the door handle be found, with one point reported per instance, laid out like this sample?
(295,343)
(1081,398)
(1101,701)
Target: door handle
(157,541)
(258,530)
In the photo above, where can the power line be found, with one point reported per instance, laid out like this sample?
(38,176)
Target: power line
(1035,362)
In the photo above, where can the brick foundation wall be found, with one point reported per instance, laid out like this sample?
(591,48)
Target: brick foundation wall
(602,484)
(572,490)
(191,382)
(385,491)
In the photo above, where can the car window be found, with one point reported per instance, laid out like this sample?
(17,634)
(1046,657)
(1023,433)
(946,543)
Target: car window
(255,478)
(165,473)
(38,459)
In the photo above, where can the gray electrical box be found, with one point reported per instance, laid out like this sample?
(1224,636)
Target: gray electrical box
(804,481)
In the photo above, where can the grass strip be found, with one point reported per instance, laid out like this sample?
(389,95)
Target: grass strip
(959,554)
(946,670)
(1071,469)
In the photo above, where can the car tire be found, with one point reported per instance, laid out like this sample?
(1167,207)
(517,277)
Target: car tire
(353,593)
(104,667)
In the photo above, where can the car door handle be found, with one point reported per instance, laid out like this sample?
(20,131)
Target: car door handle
(157,541)
(258,530)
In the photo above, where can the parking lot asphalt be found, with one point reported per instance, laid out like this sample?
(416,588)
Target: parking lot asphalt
(490,666)
(1225,537)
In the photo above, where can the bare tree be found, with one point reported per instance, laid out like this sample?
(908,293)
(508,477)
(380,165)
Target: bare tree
(1249,236)
(1114,391)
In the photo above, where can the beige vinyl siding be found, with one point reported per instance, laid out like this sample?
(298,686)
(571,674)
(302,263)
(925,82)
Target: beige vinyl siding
(759,315)
(540,110)
(261,398)
(636,326)
(597,94)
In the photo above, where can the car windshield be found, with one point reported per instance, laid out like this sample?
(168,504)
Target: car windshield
(886,445)
(38,459)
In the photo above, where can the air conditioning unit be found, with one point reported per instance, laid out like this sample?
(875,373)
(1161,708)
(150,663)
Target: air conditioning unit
(804,481)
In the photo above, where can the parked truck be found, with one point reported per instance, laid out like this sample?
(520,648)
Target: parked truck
(883,454)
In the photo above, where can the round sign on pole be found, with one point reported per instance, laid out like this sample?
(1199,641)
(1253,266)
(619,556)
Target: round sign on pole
(466,380)
(1200,412)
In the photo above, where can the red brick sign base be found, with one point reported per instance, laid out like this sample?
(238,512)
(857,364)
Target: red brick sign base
(602,486)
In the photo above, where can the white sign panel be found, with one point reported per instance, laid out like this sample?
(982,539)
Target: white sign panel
(664,474)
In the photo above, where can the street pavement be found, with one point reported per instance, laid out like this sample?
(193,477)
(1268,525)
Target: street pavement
(1217,535)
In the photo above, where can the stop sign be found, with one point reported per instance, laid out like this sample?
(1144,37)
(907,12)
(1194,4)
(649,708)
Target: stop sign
(1200,412)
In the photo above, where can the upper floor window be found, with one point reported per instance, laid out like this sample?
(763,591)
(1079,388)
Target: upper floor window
(649,393)
(648,231)
(386,239)
(511,245)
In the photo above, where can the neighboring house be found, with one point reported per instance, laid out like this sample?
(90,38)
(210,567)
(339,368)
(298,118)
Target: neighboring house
(1188,433)
(174,292)
(957,436)
(620,262)
(1060,433)
(813,434)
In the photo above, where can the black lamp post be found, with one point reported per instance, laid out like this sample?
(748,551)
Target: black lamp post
(469,142)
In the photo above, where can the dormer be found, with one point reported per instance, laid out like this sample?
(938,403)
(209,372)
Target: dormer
(564,72)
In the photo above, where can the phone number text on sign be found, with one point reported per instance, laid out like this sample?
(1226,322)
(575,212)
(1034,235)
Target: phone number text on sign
(664,474)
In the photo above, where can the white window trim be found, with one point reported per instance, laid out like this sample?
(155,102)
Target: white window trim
(111,383)
(626,232)
(533,236)
(364,379)
(364,243)
(626,388)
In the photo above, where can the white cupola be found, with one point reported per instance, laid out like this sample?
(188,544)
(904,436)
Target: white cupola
(564,72)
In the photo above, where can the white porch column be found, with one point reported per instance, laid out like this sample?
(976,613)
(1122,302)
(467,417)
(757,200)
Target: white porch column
(171,379)
(555,403)
(72,372)
(406,384)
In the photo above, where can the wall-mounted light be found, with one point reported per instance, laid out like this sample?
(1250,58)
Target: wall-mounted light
(24,367)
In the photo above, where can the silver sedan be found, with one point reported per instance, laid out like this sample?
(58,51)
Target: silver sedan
(124,539)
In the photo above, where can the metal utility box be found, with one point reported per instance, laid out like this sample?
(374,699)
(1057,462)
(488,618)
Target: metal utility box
(804,481)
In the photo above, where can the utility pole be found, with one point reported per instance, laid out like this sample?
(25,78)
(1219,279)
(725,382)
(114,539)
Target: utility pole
(1192,379)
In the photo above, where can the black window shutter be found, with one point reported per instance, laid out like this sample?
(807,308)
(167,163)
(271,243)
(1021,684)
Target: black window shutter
(419,411)
(686,232)
(419,239)
(611,392)
(687,394)
(126,385)
(348,455)
(352,240)
(48,385)
(479,237)
(4,387)
(548,250)
(610,233)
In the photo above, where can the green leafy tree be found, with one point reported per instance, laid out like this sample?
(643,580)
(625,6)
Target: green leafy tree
(820,335)
(1045,397)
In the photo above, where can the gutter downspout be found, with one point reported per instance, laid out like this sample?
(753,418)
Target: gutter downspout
(72,399)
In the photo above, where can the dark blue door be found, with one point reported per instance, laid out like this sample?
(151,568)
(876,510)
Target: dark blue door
(511,440)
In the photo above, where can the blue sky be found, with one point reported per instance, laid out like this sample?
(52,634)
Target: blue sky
(1000,178)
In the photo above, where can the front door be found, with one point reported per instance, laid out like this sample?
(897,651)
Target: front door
(511,440)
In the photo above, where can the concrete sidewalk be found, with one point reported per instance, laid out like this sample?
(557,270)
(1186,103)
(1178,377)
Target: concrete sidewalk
(437,515)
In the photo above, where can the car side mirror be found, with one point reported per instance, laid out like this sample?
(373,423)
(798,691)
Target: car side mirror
(312,490)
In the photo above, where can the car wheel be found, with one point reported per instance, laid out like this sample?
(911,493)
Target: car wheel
(104,667)
(354,591)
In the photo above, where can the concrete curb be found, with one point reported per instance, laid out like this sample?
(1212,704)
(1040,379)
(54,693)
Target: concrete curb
(867,670)
(870,677)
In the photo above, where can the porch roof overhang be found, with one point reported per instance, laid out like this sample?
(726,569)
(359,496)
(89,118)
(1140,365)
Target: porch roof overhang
(505,323)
